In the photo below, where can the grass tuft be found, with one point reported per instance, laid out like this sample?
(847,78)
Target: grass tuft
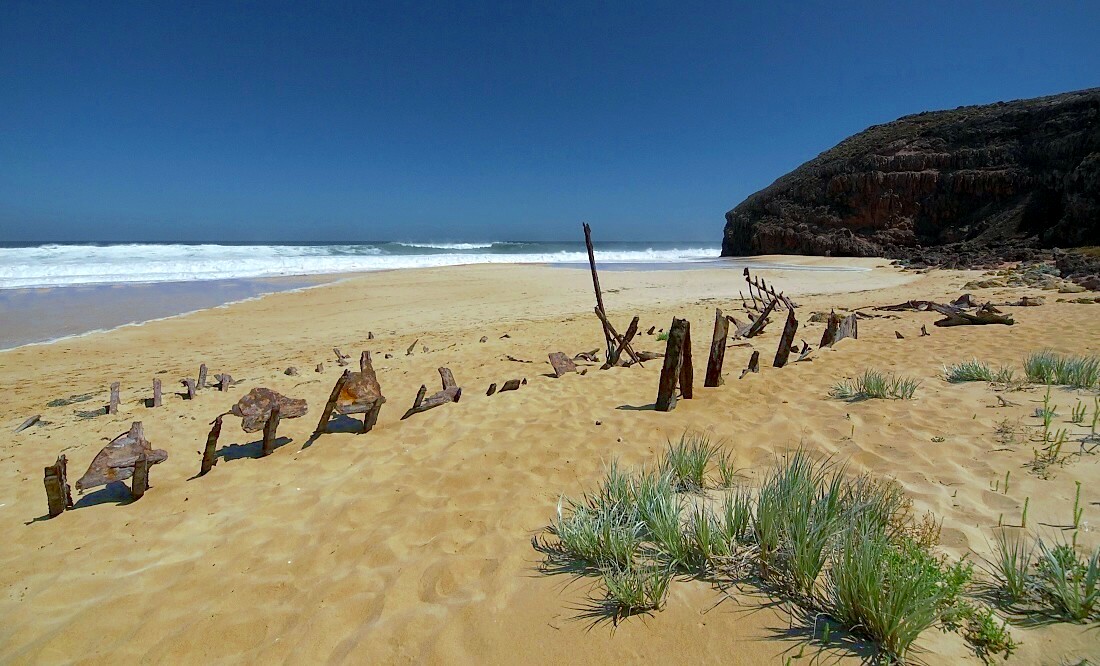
(637,589)
(976,371)
(688,459)
(1069,584)
(875,384)
(1047,367)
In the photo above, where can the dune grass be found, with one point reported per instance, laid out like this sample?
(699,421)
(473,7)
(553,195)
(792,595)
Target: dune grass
(1068,583)
(976,371)
(688,460)
(873,384)
(635,589)
(1047,367)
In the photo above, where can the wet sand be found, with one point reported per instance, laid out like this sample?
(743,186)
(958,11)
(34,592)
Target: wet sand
(412,544)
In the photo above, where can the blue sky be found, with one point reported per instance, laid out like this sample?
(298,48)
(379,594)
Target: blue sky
(473,121)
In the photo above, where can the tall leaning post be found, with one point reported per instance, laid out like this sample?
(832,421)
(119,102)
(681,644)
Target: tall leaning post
(717,349)
(209,454)
(596,285)
(786,340)
(670,371)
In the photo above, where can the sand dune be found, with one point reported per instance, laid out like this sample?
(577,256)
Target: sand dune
(413,543)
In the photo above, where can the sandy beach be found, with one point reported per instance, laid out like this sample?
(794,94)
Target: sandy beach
(412,543)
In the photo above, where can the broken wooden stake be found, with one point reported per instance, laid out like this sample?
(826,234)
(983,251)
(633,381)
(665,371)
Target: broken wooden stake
(370,335)
(761,321)
(562,364)
(786,340)
(112,406)
(753,366)
(651,329)
(409,351)
(510,385)
(140,483)
(224,382)
(189,385)
(201,384)
(451,393)
(848,328)
(596,285)
(898,335)
(157,399)
(492,389)
(320,367)
(621,345)
(670,371)
(687,372)
(341,357)
(717,349)
(58,494)
(269,430)
(209,454)
(28,423)
(831,327)
(616,338)
(923,330)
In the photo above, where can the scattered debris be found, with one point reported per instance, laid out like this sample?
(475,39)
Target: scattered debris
(562,364)
(451,393)
(120,459)
(29,422)
(254,409)
(291,371)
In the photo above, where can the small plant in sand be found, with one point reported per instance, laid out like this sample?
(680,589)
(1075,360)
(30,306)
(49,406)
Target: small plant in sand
(1011,568)
(635,589)
(1077,416)
(875,384)
(1051,579)
(1047,367)
(661,337)
(988,634)
(688,459)
(976,371)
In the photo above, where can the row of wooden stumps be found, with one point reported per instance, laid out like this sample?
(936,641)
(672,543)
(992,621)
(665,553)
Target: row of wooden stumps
(191,387)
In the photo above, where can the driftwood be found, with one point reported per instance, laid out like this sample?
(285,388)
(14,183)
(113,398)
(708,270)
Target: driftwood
(58,494)
(291,371)
(201,383)
(671,370)
(157,398)
(115,462)
(621,345)
(753,366)
(112,406)
(28,423)
(616,338)
(600,309)
(492,389)
(341,357)
(270,427)
(804,354)
(451,393)
(786,340)
(717,349)
(848,328)
(189,385)
(761,320)
(562,364)
(986,314)
(255,407)
(409,351)
(210,453)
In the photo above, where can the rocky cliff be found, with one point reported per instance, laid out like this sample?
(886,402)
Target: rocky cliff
(1011,174)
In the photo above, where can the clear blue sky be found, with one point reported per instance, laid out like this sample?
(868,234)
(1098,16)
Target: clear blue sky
(473,121)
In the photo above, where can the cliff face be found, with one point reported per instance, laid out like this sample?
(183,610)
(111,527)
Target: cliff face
(1013,172)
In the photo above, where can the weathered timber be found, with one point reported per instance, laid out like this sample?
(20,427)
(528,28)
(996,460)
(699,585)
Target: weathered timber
(140,482)
(420,395)
(224,382)
(370,335)
(291,371)
(492,389)
(923,330)
(786,340)
(766,292)
(201,383)
(341,357)
(687,372)
(210,452)
(717,349)
(986,314)
(561,364)
(326,413)
(596,285)
(848,328)
(320,367)
(189,385)
(254,409)
(649,356)
(761,320)
(157,397)
(670,371)
(616,338)
(58,494)
(753,366)
(115,462)
(516,360)
(409,351)
(831,327)
(589,356)
(510,385)
(270,428)
(28,423)
(651,329)
(898,335)
(112,406)
(451,393)
(622,342)
(740,328)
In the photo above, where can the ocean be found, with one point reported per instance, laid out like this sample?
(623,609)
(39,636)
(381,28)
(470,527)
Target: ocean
(31,265)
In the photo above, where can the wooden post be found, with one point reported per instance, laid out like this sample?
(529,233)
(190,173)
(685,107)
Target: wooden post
(365,362)
(326,414)
(112,406)
(370,418)
(189,384)
(670,372)
(201,384)
(616,338)
(420,396)
(58,494)
(157,399)
(269,430)
(210,453)
(717,349)
(786,340)
(491,390)
(831,327)
(849,328)
(923,330)
(447,377)
(754,362)
(140,483)
(687,372)
(224,382)
(596,285)
(761,321)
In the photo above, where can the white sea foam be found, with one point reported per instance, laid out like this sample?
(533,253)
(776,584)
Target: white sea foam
(60,265)
(449,246)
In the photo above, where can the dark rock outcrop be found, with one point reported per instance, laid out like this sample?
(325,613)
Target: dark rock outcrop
(1003,177)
